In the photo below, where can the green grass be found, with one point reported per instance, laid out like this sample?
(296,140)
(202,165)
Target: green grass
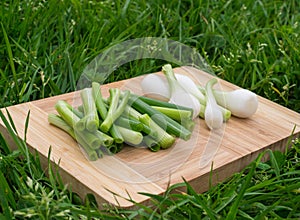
(45,45)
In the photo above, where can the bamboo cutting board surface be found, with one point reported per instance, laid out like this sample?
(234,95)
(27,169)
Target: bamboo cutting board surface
(115,179)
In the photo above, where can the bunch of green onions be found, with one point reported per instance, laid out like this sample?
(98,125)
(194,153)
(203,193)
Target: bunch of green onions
(103,125)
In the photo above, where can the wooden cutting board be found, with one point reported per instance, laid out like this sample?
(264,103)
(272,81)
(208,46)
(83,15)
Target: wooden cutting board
(114,179)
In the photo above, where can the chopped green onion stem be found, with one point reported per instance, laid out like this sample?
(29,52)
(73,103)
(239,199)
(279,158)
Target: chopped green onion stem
(176,114)
(130,123)
(91,153)
(152,144)
(100,105)
(164,139)
(155,102)
(171,125)
(60,123)
(90,111)
(91,139)
(57,121)
(115,147)
(67,115)
(106,140)
(115,133)
(115,108)
(131,137)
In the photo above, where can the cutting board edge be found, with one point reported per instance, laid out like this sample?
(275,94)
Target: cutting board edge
(222,173)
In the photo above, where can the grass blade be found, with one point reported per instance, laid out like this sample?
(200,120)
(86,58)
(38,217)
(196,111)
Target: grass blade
(234,208)
(10,128)
(6,197)
(4,146)
(198,200)
(12,124)
(274,162)
(26,125)
(11,60)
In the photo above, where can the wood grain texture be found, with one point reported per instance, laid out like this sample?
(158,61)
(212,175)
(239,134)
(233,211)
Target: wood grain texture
(135,170)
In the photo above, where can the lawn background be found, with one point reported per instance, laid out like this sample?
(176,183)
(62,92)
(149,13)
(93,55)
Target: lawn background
(44,46)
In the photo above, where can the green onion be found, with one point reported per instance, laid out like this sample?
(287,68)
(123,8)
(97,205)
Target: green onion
(90,111)
(60,123)
(164,139)
(155,102)
(115,108)
(134,114)
(176,114)
(213,114)
(109,118)
(115,147)
(219,95)
(93,141)
(131,137)
(115,133)
(57,121)
(148,130)
(67,115)
(78,113)
(190,86)
(202,111)
(152,144)
(103,125)
(131,112)
(80,125)
(100,105)
(130,123)
(91,153)
(171,125)
(106,140)
(188,124)
(100,153)
(239,102)
(178,94)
